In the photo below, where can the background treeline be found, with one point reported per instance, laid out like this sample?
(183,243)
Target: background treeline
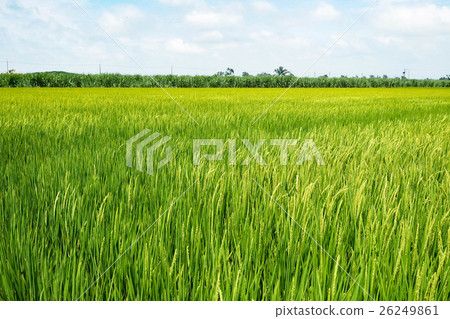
(59,79)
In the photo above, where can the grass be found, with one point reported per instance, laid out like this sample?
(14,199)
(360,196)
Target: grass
(69,205)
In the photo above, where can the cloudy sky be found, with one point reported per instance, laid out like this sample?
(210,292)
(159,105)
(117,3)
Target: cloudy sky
(203,37)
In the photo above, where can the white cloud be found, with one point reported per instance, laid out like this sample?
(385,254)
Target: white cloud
(263,36)
(213,19)
(211,36)
(179,46)
(325,12)
(120,18)
(268,38)
(226,46)
(419,19)
(387,40)
(297,42)
(263,6)
(42,11)
(145,43)
(179,2)
(38,30)
(403,33)
(351,45)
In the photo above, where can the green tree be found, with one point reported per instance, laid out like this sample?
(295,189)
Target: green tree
(229,72)
(282,71)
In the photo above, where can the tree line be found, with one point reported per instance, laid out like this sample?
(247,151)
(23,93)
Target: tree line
(226,80)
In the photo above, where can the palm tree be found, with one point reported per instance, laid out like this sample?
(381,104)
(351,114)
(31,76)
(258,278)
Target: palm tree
(282,71)
(229,71)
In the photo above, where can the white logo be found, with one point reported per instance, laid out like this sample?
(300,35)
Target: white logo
(140,150)
(308,151)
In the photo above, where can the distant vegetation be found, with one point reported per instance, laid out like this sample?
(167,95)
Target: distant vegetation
(220,80)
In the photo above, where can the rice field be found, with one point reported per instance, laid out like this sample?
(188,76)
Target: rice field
(70,206)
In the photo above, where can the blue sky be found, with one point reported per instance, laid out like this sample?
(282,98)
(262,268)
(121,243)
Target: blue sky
(203,37)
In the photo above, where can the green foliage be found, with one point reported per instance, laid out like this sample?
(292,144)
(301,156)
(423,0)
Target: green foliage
(281,71)
(69,205)
(222,79)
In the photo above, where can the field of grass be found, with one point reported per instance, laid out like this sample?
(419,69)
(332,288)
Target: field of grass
(69,205)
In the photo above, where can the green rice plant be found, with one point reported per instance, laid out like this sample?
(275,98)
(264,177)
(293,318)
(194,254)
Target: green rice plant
(69,205)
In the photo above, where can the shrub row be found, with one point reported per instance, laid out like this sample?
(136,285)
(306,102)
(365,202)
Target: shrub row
(216,81)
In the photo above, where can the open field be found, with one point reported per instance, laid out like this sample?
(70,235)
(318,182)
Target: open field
(69,205)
